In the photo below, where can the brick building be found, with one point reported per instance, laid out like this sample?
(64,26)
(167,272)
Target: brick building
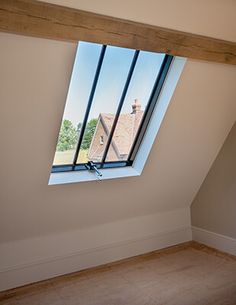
(123,138)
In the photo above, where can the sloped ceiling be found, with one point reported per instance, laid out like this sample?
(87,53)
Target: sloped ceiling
(34,81)
(215,18)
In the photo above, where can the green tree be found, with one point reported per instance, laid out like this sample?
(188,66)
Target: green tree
(68,136)
(88,134)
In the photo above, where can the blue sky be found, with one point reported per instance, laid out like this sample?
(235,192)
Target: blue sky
(112,78)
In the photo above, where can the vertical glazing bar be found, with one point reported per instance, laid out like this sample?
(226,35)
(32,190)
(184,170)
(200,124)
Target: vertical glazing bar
(90,100)
(131,70)
(150,106)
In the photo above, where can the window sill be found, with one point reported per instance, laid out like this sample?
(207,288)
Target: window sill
(80,176)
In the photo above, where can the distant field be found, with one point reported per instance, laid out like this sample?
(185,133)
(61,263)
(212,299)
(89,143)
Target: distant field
(66,157)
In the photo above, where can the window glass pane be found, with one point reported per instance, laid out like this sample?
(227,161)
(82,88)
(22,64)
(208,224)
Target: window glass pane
(142,82)
(109,89)
(84,69)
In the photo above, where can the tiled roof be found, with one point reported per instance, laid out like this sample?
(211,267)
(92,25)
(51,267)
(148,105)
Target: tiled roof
(125,131)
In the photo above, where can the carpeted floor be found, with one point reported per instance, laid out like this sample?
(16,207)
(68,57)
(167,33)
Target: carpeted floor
(188,274)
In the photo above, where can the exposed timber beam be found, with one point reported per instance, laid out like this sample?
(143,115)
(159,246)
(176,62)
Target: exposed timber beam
(40,19)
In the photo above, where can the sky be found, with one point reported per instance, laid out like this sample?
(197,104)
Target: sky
(111,81)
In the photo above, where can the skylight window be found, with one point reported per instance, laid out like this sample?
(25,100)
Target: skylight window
(112,95)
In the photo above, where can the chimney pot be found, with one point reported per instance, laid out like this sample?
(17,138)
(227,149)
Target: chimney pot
(136,107)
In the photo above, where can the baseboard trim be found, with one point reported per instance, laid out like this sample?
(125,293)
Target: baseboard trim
(220,242)
(19,275)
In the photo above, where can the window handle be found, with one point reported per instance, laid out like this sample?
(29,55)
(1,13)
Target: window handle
(92,167)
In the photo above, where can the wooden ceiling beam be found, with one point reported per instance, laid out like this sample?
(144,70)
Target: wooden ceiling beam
(40,19)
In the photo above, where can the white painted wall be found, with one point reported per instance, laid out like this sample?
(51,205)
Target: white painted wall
(34,77)
(35,259)
(213,209)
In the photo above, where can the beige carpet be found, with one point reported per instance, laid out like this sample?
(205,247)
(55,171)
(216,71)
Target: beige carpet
(185,275)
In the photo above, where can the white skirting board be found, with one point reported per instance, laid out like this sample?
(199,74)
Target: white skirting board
(36,259)
(214,240)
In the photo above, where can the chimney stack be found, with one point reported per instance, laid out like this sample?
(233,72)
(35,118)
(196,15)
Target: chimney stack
(136,107)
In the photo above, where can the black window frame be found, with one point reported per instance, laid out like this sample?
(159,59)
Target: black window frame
(153,99)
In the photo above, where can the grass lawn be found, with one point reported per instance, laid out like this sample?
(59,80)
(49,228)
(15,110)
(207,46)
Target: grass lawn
(66,157)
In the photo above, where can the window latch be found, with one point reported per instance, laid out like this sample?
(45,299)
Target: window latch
(92,167)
